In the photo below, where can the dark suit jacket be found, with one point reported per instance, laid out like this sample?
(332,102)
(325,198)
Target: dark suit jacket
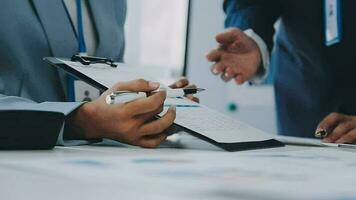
(31,30)
(311,79)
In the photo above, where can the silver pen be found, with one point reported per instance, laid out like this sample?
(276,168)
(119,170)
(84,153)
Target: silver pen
(128,96)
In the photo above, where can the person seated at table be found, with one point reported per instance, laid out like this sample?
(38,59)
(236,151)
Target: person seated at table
(35,29)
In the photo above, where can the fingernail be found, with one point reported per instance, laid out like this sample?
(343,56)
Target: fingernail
(215,71)
(226,74)
(318,129)
(153,84)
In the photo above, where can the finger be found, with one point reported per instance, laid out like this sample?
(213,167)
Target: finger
(139,85)
(224,76)
(330,122)
(239,79)
(338,132)
(180,83)
(152,142)
(145,105)
(229,36)
(349,138)
(149,116)
(229,74)
(192,86)
(218,68)
(159,125)
(193,98)
(214,55)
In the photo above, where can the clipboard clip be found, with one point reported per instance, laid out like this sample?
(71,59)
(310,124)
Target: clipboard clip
(87,60)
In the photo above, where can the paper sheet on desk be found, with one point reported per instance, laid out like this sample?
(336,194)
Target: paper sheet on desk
(323,173)
(213,124)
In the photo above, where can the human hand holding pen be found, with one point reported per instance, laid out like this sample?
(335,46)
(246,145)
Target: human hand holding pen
(133,122)
(339,128)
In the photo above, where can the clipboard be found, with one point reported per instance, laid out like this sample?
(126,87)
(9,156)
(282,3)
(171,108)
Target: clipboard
(241,140)
(56,62)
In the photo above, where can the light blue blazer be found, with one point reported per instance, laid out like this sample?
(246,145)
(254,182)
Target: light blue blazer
(33,29)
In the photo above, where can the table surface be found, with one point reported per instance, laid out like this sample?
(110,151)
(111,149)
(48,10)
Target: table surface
(123,172)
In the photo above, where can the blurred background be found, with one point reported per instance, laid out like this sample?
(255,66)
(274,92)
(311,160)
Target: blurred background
(171,39)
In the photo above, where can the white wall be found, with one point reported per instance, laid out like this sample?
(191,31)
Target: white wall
(255,104)
(206,20)
(155,36)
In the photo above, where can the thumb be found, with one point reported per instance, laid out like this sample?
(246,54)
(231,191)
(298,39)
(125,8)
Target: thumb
(181,83)
(139,85)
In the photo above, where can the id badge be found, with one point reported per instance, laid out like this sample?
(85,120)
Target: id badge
(85,92)
(80,91)
(333,22)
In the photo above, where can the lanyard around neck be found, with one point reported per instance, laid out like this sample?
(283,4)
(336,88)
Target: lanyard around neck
(81,42)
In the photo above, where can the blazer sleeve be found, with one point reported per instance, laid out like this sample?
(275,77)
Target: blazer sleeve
(34,118)
(258,15)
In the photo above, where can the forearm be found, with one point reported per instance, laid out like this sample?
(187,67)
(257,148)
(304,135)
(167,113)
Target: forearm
(79,124)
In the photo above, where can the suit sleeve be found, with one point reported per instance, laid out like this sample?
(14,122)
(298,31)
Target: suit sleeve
(258,15)
(12,103)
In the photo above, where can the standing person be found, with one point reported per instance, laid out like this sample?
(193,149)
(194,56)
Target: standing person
(312,56)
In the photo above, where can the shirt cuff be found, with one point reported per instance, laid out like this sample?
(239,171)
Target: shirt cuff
(261,77)
(62,142)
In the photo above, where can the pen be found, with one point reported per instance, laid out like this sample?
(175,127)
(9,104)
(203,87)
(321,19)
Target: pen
(127,96)
(347,146)
(181,92)
(321,133)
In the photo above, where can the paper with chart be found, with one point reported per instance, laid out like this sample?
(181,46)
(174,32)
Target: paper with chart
(212,124)
(193,116)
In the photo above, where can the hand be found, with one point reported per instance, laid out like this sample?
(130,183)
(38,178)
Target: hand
(238,57)
(133,123)
(341,128)
(184,83)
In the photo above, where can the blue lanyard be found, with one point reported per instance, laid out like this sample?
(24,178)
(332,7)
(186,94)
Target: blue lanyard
(82,50)
(81,41)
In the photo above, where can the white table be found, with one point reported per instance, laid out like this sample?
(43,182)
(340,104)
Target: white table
(119,172)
